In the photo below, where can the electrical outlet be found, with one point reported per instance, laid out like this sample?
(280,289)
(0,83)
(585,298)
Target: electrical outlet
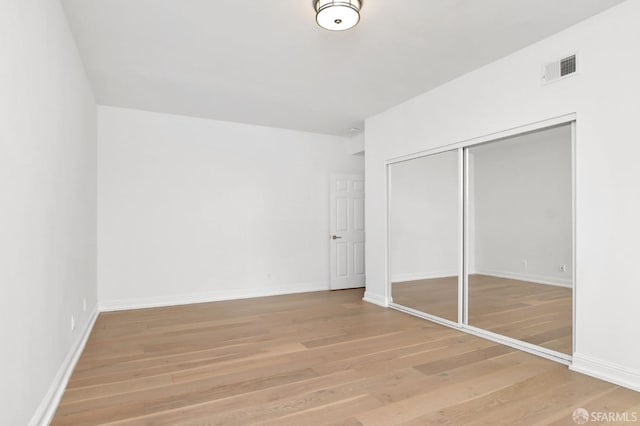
(84,305)
(525,264)
(563,268)
(73,322)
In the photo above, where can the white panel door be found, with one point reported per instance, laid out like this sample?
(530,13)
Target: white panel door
(347,231)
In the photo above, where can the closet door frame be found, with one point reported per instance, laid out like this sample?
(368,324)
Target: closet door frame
(463,228)
(455,324)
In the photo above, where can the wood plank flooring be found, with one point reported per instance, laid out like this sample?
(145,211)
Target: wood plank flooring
(535,313)
(436,296)
(313,359)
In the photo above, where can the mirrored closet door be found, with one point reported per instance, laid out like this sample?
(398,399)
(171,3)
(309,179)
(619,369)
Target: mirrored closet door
(519,238)
(504,268)
(424,234)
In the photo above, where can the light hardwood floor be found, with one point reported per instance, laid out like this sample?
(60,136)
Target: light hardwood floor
(436,296)
(535,313)
(314,359)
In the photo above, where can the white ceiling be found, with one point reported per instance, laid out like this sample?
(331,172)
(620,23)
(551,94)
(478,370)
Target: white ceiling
(268,63)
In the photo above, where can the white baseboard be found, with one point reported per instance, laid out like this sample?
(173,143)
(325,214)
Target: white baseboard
(606,371)
(559,282)
(188,299)
(49,404)
(400,278)
(376,299)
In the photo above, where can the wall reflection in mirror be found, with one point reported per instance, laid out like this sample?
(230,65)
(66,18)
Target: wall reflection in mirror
(519,238)
(424,223)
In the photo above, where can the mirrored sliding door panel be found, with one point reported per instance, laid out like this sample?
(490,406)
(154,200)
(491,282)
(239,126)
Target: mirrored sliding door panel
(423,208)
(519,238)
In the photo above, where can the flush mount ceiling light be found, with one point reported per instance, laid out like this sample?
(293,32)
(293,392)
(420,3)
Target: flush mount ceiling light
(337,15)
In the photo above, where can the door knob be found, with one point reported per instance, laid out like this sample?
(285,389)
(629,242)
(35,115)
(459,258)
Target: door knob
(335,237)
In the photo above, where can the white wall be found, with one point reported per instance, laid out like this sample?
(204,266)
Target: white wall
(47,204)
(355,144)
(424,217)
(522,212)
(193,209)
(509,93)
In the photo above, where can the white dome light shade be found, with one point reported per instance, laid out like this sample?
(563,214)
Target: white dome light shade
(336,15)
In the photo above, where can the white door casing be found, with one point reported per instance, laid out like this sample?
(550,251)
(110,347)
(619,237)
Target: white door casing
(347,235)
